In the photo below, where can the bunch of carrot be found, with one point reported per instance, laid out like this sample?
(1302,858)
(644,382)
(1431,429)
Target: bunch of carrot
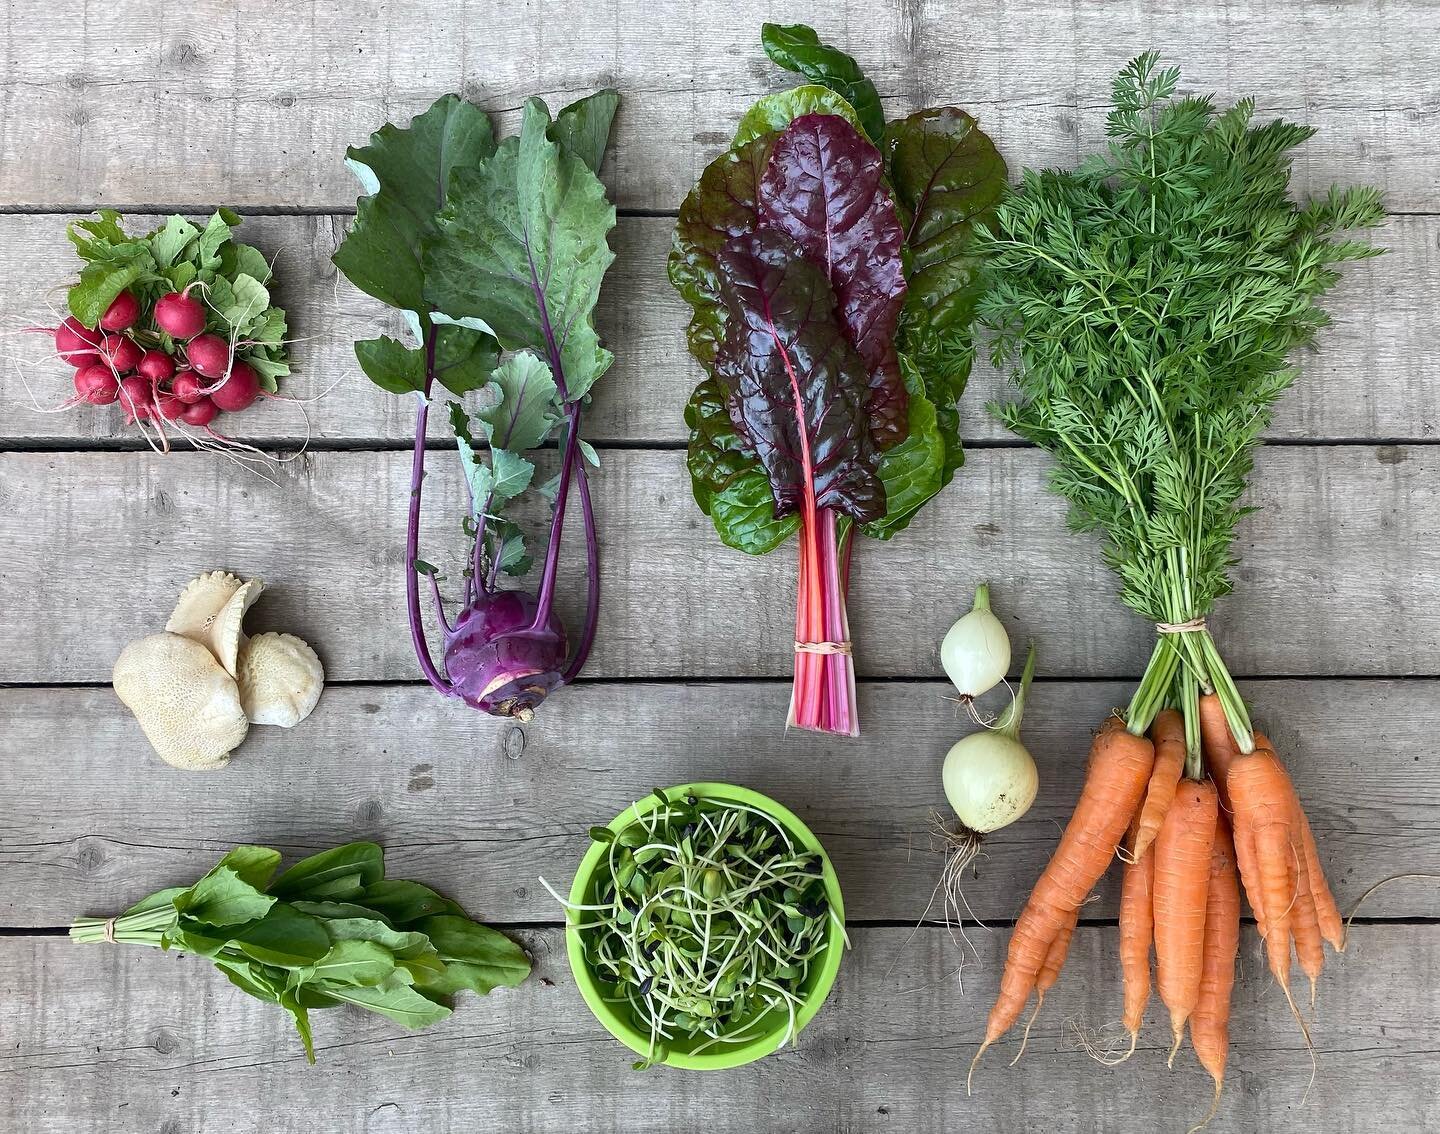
(1187,841)
(1146,306)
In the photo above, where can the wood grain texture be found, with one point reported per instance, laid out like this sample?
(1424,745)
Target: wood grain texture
(485,807)
(1371,377)
(225,103)
(156,1042)
(1338,575)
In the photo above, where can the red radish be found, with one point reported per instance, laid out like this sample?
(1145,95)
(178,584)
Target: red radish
(85,358)
(96,385)
(123,352)
(138,398)
(155,365)
(187,387)
(169,406)
(121,313)
(73,338)
(200,413)
(209,355)
(239,391)
(179,316)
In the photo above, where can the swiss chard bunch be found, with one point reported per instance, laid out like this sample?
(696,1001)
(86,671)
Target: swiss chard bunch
(493,249)
(826,260)
(331,930)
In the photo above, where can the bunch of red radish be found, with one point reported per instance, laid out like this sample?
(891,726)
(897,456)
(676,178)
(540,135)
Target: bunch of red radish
(190,385)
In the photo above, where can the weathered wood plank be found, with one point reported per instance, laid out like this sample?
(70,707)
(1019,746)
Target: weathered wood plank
(1339,570)
(1371,378)
(105,1038)
(254,110)
(95,820)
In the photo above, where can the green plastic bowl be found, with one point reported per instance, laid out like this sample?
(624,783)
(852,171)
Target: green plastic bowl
(818,981)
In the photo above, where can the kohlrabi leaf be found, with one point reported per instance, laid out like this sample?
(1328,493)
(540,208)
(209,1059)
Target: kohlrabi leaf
(517,408)
(506,545)
(522,245)
(948,176)
(797,48)
(464,360)
(583,127)
(406,174)
(774,112)
(722,206)
(795,386)
(824,187)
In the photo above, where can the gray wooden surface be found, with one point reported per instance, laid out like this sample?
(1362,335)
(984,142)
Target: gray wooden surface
(1336,622)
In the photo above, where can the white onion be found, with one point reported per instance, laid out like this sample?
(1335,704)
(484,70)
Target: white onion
(990,780)
(976,650)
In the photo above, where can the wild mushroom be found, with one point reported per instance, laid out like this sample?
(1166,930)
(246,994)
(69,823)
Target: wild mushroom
(185,701)
(211,610)
(280,679)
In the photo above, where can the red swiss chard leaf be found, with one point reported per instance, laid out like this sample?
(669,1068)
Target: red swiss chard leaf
(824,187)
(721,207)
(795,386)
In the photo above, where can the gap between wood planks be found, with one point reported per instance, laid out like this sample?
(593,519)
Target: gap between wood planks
(783,678)
(850,923)
(611,444)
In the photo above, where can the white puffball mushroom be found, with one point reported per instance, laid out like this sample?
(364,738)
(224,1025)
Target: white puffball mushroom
(976,650)
(186,703)
(280,679)
(211,611)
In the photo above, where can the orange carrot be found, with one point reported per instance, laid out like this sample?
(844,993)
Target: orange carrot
(1168,733)
(1182,879)
(1119,768)
(1210,1022)
(1137,930)
(1049,973)
(1220,753)
(1304,920)
(1219,744)
(1332,926)
(1265,820)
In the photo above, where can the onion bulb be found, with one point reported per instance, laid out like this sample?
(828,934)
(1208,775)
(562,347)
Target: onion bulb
(990,781)
(976,650)
(990,778)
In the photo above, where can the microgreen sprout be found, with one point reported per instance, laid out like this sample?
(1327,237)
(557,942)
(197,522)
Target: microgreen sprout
(705,920)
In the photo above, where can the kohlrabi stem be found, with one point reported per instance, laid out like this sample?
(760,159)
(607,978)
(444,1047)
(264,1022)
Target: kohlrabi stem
(592,591)
(982,601)
(557,521)
(1009,722)
(412,531)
